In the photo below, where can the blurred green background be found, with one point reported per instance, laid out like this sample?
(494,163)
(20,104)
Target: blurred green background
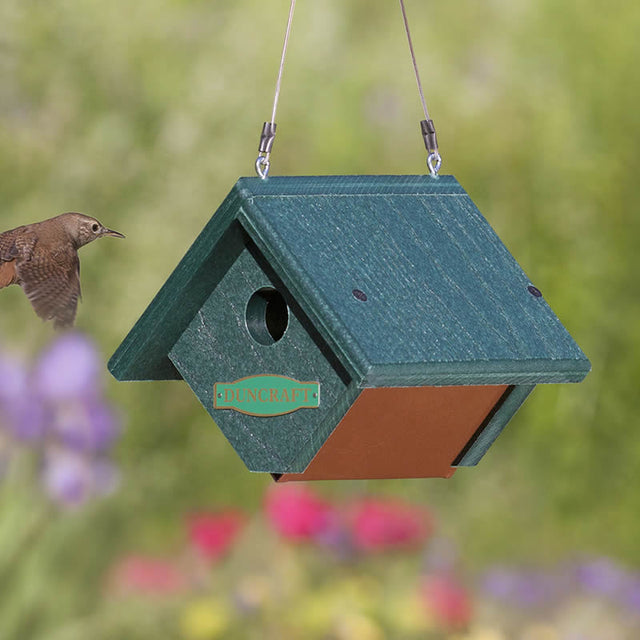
(144,114)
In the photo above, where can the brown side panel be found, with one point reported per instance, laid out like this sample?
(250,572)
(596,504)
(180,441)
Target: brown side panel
(408,432)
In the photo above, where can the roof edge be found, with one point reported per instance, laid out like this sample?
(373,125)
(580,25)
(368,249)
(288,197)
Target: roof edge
(350,185)
(143,354)
(480,372)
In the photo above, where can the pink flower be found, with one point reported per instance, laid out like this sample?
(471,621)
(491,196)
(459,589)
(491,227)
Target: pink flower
(447,601)
(297,513)
(148,576)
(213,534)
(380,525)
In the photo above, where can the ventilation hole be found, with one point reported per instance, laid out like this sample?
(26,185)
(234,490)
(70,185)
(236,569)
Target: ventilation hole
(267,316)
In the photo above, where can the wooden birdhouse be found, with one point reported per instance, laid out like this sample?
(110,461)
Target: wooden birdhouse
(352,327)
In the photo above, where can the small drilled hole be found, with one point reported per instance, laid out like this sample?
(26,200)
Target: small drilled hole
(534,291)
(267,316)
(359,295)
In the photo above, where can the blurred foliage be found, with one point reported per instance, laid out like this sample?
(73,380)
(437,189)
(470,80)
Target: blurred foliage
(144,114)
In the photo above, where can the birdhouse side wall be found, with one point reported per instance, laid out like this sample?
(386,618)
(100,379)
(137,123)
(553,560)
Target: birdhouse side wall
(405,432)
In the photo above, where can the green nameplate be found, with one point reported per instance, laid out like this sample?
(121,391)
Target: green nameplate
(266,395)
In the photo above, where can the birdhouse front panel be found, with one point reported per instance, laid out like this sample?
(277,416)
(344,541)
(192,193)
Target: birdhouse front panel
(251,326)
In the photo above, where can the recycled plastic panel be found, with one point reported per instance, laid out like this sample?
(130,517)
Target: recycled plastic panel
(446,302)
(495,423)
(143,354)
(416,245)
(217,347)
(410,432)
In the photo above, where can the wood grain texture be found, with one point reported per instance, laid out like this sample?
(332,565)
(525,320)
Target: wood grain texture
(446,302)
(217,347)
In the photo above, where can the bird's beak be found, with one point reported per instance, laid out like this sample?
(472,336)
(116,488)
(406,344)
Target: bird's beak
(111,232)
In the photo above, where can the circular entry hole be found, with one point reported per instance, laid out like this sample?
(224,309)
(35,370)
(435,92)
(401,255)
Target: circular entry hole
(267,316)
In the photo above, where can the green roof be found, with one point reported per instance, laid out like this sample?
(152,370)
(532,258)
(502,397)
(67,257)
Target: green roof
(446,303)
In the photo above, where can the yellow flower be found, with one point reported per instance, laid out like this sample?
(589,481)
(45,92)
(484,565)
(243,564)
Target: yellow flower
(254,591)
(312,612)
(205,619)
(406,613)
(358,626)
(540,632)
(483,633)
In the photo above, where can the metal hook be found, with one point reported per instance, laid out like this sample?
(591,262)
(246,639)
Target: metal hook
(433,170)
(262,166)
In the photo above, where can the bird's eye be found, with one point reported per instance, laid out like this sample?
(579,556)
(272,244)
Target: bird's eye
(95,227)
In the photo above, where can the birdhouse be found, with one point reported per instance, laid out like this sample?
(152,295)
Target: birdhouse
(352,327)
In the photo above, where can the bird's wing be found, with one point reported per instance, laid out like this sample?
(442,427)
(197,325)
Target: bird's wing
(15,245)
(51,281)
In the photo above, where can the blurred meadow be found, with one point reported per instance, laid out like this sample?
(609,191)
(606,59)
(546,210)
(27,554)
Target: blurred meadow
(144,115)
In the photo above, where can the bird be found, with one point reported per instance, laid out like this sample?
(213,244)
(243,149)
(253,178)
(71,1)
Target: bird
(42,258)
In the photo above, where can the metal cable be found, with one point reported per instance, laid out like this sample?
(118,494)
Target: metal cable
(282,57)
(427,128)
(268,135)
(413,59)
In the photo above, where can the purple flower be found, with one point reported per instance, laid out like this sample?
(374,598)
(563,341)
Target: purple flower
(71,479)
(525,588)
(602,577)
(70,368)
(29,422)
(499,583)
(631,595)
(58,406)
(336,537)
(22,413)
(66,477)
(88,426)
(14,377)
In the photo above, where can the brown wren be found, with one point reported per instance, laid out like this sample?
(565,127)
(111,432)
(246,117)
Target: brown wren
(43,259)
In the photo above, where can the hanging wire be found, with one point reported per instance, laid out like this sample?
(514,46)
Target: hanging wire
(427,128)
(268,134)
(282,57)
